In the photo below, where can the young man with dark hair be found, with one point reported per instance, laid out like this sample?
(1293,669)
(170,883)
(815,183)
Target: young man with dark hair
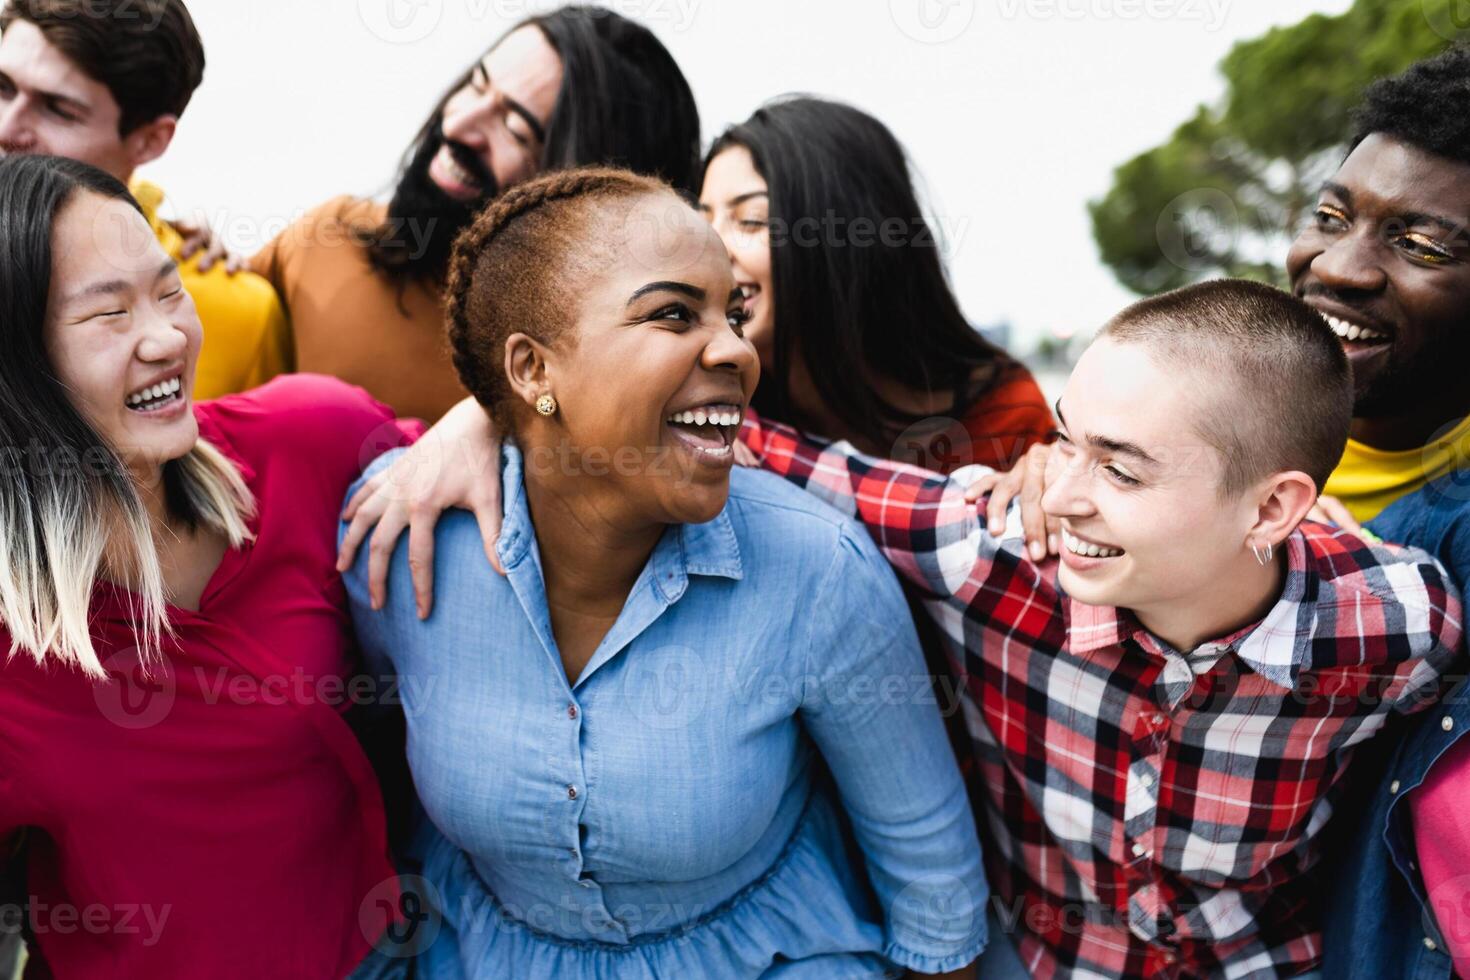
(362,281)
(1386,259)
(1401,904)
(105,82)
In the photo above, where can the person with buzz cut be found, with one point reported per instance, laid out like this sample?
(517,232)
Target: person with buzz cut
(105,82)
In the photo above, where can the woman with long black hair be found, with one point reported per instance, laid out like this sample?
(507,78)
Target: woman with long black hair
(859,332)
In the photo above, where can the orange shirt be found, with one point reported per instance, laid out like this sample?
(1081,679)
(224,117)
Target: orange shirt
(350,322)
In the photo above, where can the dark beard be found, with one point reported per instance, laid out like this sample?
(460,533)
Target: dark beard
(415,241)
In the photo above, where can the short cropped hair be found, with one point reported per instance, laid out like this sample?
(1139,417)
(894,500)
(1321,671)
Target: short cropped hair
(1278,388)
(146,52)
(1424,106)
(512,270)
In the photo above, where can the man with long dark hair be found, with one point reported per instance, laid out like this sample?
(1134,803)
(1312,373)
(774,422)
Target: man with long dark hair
(362,280)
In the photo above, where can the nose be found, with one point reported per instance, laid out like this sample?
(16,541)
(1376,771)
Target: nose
(728,351)
(1350,263)
(15,130)
(468,123)
(162,340)
(1068,487)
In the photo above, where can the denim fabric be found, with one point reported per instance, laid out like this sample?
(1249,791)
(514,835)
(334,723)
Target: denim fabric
(1378,923)
(669,814)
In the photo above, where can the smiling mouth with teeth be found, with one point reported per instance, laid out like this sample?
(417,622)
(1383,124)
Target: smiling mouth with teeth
(1087,549)
(157,397)
(1352,332)
(710,429)
(748,293)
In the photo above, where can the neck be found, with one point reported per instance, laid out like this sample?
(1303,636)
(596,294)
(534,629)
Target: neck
(148,480)
(1241,597)
(1417,425)
(592,548)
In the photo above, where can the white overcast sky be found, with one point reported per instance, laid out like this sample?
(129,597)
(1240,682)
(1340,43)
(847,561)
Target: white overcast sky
(1013,111)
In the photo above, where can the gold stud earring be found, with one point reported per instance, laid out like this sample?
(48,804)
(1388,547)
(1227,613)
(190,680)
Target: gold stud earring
(546,405)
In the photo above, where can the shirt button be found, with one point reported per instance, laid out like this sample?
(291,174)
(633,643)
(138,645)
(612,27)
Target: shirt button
(1139,850)
(1447,723)
(572,711)
(1429,944)
(1147,780)
(1393,787)
(1158,719)
(571,792)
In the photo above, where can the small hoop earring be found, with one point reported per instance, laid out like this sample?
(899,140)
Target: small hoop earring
(546,405)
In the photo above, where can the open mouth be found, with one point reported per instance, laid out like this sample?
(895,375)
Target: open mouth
(464,170)
(1088,549)
(156,398)
(749,291)
(709,430)
(1355,336)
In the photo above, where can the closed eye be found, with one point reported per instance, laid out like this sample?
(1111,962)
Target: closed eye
(675,311)
(1122,477)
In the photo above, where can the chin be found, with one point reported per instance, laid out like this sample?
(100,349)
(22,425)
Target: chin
(700,505)
(1089,590)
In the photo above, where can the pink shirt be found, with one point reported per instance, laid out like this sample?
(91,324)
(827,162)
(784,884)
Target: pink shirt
(219,819)
(1441,811)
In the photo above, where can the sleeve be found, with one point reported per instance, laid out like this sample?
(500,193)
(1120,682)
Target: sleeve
(337,427)
(920,521)
(869,707)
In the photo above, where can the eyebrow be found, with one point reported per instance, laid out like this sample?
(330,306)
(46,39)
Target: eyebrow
(737,201)
(1120,447)
(537,128)
(1408,217)
(54,98)
(111,287)
(667,286)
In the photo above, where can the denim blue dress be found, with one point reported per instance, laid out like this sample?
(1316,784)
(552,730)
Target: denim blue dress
(750,778)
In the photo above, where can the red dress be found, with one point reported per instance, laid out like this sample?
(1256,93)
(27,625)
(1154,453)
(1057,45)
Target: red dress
(217,819)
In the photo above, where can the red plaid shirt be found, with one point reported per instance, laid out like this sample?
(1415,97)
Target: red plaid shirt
(1151,812)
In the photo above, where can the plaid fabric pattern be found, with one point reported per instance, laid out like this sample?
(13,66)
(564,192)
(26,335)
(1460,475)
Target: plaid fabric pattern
(1150,812)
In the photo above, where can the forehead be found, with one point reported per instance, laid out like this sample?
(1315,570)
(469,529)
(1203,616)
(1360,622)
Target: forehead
(31,60)
(1388,175)
(528,68)
(97,238)
(660,237)
(730,174)
(1121,392)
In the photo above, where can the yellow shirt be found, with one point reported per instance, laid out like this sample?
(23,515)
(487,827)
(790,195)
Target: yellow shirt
(1368,480)
(247,338)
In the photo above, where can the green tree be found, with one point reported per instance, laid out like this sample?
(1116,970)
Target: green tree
(1225,194)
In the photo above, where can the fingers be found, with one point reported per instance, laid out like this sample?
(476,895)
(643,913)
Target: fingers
(1333,511)
(744,455)
(421,558)
(380,553)
(489,521)
(1000,501)
(364,510)
(365,492)
(1033,518)
(982,486)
